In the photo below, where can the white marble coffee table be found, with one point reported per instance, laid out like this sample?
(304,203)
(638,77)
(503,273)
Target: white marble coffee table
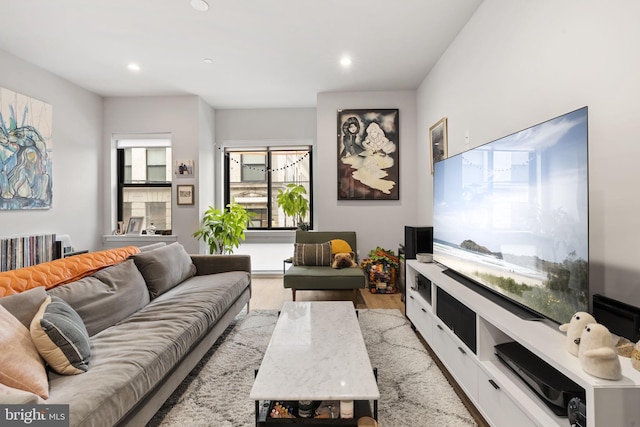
(316,352)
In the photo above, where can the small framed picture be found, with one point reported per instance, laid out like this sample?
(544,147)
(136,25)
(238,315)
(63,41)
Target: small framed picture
(185,194)
(438,140)
(184,168)
(135,225)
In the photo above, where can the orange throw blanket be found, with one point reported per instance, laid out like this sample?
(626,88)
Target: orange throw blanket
(61,271)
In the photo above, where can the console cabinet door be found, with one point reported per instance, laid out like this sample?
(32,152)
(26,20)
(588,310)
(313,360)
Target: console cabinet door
(499,409)
(460,361)
(418,315)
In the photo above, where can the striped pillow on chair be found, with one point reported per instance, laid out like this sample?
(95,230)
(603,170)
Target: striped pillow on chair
(312,254)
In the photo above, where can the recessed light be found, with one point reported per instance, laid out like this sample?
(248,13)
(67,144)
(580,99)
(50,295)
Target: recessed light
(208,61)
(133,67)
(345,61)
(200,5)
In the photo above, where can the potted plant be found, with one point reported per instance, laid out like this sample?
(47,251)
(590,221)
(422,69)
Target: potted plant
(223,230)
(294,203)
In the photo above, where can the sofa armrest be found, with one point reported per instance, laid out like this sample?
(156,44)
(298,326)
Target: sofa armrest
(212,264)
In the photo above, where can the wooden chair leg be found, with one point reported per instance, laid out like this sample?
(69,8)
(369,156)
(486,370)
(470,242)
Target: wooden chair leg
(293,293)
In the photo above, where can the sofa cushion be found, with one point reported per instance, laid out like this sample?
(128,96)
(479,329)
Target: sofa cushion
(60,337)
(164,268)
(61,271)
(107,297)
(321,278)
(317,254)
(21,366)
(130,358)
(24,305)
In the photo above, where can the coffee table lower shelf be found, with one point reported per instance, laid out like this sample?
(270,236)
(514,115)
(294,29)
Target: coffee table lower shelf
(361,408)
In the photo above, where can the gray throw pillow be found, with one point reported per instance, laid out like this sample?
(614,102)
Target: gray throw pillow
(24,305)
(164,268)
(312,254)
(60,337)
(107,297)
(152,246)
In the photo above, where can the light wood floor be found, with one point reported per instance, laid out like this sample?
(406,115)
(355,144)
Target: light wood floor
(268,293)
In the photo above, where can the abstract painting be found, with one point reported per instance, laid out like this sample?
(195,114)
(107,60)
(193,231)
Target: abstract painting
(368,143)
(25,152)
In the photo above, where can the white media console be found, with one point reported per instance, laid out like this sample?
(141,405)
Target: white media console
(502,397)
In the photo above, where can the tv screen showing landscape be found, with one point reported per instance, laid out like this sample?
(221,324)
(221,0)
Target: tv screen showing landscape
(512,215)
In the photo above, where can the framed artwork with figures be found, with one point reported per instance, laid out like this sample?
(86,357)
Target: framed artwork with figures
(184,168)
(368,154)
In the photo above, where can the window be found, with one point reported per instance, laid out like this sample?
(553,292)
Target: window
(253,178)
(255,167)
(144,182)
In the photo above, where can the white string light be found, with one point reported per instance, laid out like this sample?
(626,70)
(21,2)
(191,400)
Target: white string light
(286,166)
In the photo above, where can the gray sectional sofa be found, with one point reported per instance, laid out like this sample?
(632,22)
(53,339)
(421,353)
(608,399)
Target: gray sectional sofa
(150,320)
(323,277)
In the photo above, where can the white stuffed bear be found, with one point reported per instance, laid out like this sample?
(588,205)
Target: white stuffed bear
(596,353)
(574,330)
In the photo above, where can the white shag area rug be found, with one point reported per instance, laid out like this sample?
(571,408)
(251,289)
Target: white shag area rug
(413,390)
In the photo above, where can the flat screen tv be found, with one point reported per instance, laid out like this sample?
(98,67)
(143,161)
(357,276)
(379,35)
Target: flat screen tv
(511,218)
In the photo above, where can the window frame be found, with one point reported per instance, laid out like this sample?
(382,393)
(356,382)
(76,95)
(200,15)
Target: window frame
(268,150)
(122,184)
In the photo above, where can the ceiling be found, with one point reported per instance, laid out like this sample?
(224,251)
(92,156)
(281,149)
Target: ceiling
(265,53)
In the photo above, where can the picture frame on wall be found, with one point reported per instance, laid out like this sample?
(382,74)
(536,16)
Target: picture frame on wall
(438,141)
(184,194)
(368,154)
(135,225)
(184,168)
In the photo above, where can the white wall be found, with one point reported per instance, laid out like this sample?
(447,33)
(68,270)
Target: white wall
(77,124)
(180,116)
(518,63)
(376,223)
(265,123)
(205,189)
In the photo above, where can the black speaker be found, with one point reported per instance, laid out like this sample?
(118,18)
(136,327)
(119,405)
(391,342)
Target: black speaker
(457,316)
(417,240)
